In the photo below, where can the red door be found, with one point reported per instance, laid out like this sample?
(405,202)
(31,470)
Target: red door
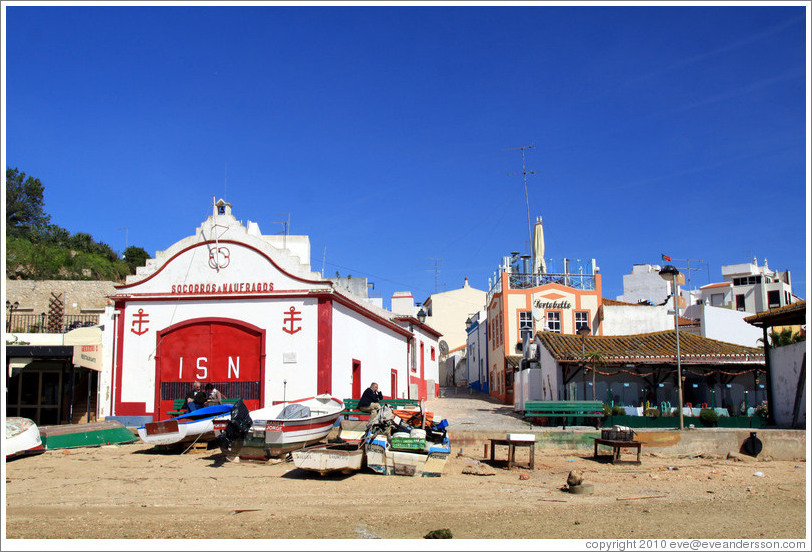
(393,385)
(226,353)
(356,379)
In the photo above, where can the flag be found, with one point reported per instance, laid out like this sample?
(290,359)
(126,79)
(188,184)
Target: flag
(666,257)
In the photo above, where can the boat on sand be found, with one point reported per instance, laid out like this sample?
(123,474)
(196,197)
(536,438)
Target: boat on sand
(276,430)
(22,438)
(187,427)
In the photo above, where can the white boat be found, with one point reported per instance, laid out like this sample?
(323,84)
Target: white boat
(22,438)
(324,459)
(279,429)
(186,427)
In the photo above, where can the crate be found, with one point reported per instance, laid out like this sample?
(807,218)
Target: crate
(408,443)
(612,434)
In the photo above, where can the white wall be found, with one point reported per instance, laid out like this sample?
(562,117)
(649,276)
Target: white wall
(644,284)
(785,363)
(379,350)
(628,320)
(728,325)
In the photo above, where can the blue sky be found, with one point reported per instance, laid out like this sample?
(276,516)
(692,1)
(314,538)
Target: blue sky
(382,131)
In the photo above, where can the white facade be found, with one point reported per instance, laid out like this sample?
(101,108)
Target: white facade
(636,319)
(724,324)
(477,347)
(228,306)
(645,284)
(756,288)
(786,363)
(448,311)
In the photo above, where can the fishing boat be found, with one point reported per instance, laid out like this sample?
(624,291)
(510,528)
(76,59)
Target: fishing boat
(22,438)
(187,427)
(86,435)
(276,430)
(332,458)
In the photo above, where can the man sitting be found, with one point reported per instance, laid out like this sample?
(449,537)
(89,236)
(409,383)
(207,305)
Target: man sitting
(195,398)
(370,400)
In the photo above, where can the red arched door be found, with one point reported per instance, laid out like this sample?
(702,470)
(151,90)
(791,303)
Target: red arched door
(226,353)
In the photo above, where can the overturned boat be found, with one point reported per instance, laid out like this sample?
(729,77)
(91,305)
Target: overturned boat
(278,429)
(22,438)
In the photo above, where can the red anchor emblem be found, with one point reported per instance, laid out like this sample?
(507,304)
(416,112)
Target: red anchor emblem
(141,320)
(290,319)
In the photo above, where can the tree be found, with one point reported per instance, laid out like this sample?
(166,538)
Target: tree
(24,203)
(594,360)
(135,257)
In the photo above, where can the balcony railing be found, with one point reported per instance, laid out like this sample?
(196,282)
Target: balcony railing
(41,323)
(518,280)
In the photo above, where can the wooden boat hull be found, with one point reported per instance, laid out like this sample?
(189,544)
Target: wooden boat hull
(22,438)
(86,435)
(329,459)
(272,436)
(188,427)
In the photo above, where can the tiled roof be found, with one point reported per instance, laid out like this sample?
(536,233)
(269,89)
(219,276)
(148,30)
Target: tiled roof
(720,284)
(794,313)
(606,301)
(650,347)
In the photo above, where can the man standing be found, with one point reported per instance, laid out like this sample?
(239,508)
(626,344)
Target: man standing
(195,398)
(370,400)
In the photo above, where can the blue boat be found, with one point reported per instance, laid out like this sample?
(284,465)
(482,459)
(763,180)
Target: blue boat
(187,427)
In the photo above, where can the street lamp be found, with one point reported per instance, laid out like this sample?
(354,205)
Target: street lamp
(670,272)
(10,308)
(421,315)
(583,331)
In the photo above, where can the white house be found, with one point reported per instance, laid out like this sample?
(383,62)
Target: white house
(244,311)
(477,347)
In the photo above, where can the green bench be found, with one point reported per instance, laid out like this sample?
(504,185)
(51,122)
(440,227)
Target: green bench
(177,406)
(351,406)
(565,410)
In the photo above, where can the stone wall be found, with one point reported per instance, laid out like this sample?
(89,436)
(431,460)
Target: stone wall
(78,296)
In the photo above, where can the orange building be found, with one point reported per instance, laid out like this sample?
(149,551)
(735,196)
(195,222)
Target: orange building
(520,304)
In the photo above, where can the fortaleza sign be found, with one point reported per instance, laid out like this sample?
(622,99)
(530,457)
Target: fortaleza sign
(242,287)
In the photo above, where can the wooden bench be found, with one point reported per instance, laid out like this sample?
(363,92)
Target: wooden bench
(177,406)
(564,410)
(616,446)
(511,445)
(351,406)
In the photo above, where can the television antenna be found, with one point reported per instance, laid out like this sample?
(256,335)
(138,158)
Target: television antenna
(524,173)
(437,263)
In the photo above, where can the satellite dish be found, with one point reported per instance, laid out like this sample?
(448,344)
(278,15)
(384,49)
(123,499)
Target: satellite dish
(443,347)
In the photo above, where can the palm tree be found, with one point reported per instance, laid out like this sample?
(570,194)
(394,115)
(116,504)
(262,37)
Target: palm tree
(594,360)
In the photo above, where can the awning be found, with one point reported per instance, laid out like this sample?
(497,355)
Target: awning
(18,363)
(86,344)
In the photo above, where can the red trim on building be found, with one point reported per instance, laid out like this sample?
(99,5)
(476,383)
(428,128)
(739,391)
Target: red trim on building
(232,242)
(324,378)
(121,408)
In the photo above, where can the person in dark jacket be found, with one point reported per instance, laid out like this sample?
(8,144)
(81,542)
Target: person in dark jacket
(370,400)
(195,398)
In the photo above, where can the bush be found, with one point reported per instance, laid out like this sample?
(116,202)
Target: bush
(618,411)
(607,410)
(652,413)
(708,417)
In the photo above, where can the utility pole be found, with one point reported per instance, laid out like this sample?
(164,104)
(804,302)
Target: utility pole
(524,173)
(437,263)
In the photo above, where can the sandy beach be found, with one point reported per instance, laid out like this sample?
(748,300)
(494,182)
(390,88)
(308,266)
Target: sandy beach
(133,491)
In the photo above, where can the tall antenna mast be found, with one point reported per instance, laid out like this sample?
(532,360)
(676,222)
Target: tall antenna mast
(524,173)
(126,237)
(285,224)
(225,185)
(689,269)
(323,260)
(437,263)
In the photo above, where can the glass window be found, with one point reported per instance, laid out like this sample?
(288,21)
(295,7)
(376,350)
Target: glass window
(581,320)
(717,299)
(525,324)
(50,388)
(554,321)
(773,299)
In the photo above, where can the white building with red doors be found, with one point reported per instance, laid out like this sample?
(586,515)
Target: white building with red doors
(244,311)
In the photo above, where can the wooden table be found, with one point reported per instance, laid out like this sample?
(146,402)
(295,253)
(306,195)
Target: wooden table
(616,446)
(511,461)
